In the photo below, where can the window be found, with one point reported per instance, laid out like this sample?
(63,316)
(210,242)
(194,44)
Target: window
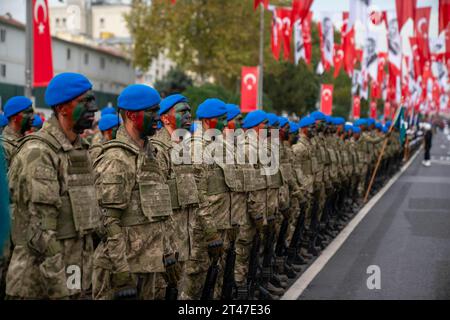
(2,35)
(64,22)
(102,23)
(3,70)
(102,63)
(68,53)
(57,22)
(86,58)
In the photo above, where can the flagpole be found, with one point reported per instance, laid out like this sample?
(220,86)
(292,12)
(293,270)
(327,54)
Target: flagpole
(261,56)
(29,49)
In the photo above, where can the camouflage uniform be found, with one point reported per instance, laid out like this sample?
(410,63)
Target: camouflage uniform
(55,213)
(136,207)
(97,138)
(305,164)
(184,197)
(10,141)
(212,216)
(255,185)
(365,147)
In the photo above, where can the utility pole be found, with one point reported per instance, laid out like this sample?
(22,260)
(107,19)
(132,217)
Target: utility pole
(29,49)
(261,57)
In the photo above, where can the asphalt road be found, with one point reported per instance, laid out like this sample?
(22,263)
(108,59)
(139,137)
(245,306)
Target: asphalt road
(406,234)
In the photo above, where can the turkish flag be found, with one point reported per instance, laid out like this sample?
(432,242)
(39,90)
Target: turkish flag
(422,22)
(277,25)
(265,3)
(300,8)
(306,33)
(348,45)
(338,58)
(286,30)
(387,110)
(326,99)
(375,92)
(42,48)
(444,14)
(249,89)
(356,107)
(418,63)
(373,109)
(405,10)
(382,61)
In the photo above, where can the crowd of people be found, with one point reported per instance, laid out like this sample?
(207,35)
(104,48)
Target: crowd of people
(117,216)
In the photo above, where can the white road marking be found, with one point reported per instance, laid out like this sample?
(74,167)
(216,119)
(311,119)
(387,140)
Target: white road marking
(305,279)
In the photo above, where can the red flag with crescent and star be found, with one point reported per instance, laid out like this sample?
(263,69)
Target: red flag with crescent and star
(405,9)
(356,107)
(42,47)
(249,89)
(326,99)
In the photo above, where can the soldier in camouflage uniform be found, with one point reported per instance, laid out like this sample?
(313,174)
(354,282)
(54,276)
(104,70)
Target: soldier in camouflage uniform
(3,122)
(136,253)
(18,118)
(321,180)
(214,215)
(175,114)
(108,126)
(53,194)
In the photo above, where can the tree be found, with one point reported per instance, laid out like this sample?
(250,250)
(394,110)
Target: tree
(175,81)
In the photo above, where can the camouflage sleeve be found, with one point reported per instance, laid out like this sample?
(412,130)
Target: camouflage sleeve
(114,185)
(373,140)
(204,215)
(38,175)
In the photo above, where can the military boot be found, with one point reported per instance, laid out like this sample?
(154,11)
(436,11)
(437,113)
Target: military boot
(276,281)
(289,272)
(264,294)
(274,289)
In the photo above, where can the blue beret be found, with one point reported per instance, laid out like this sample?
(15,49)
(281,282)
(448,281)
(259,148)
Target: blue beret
(370,121)
(170,101)
(379,126)
(16,105)
(108,110)
(137,97)
(356,129)
(329,119)
(109,121)
(317,115)
(232,111)
(3,120)
(293,127)
(306,121)
(360,122)
(211,108)
(282,121)
(37,121)
(65,87)
(254,118)
(388,123)
(385,129)
(348,127)
(339,121)
(273,119)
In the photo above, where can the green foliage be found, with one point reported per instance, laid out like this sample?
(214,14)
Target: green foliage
(175,81)
(197,95)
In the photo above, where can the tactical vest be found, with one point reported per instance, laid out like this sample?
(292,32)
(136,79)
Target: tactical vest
(150,197)
(181,181)
(308,162)
(79,213)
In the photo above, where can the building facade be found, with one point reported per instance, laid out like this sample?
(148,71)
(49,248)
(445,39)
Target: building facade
(109,71)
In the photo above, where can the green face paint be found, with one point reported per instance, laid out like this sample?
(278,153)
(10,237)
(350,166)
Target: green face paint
(149,122)
(183,116)
(84,112)
(27,120)
(114,132)
(221,122)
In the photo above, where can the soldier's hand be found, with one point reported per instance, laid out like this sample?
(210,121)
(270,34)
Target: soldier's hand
(124,286)
(215,246)
(173,269)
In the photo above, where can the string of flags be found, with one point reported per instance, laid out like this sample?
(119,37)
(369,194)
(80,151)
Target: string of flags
(382,67)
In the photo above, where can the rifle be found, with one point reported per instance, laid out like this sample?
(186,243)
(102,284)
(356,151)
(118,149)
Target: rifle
(268,249)
(280,247)
(211,279)
(293,245)
(228,275)
(253,266)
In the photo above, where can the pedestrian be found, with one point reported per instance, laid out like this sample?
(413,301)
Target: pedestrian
(428,137)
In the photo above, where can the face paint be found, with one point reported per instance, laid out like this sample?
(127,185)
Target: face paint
(83,113)
(219,123)
(114,132)
(236,123)
(147,122)
(183,116)
(26,120)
